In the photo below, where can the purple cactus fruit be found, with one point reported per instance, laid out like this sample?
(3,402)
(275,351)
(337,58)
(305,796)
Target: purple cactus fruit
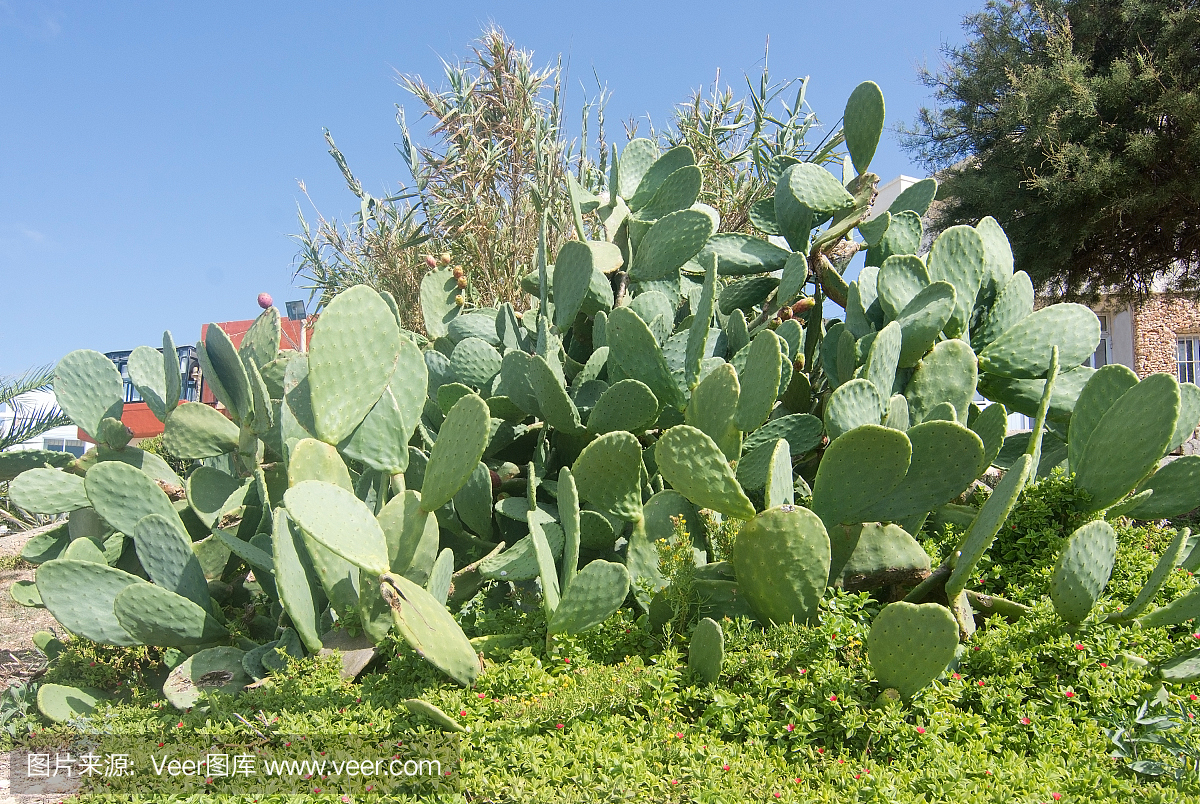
(496,482)
(264,300)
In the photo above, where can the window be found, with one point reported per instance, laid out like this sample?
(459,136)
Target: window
(71,445)
(189,370)
(1189,358)
(1103,354)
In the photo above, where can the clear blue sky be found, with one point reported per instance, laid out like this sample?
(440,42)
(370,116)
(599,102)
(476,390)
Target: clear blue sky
(150,152)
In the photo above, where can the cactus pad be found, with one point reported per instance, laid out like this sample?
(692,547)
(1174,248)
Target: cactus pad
(713,410)
(59,583)
(1013,303)
(759,381)
(1100,393)
(910,645)
(1170,558)
(671,241)
(863,123)
(782,561)
(802,432)
(1023,351)
(295,578)
(146,373)
(706,652)
(858,468)
(1129,440)
(740,255)
(1176,490)
(194,430)
(901,278)
(957,256)
(123,495)
(923,319)
(355,345)
(634,348)
(429,629)
(608,474)
(596,592)
(62,704)
(946,458)
(853,404)
(1082,570)
(460,444)
(426,710)
(987,523)
(88,388)
(340,522)
(946,374)
(157,616)
(695,467)
(211,670)
(48,491)
(165,551)
(626,405)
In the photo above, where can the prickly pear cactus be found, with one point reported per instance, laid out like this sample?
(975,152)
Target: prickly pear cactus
(660,366)
(706,652)
(782,562)
(1082,570)
(910,645)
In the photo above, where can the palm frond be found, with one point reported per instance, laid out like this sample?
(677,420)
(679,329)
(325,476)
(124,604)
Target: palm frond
(35,379)
(28,421)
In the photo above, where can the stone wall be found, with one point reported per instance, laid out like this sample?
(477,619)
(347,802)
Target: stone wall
(1158,322)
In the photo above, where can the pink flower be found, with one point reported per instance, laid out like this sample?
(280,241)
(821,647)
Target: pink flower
(1104,664)
(1078,646)
(724,767)
(833,697)
(566,661)
(1069,693)
(920,729)
(674,781)
(462,713)
(980,683)
(777,795)
(481,695)
(1192,697)
(1056,796)
(1025,721)
(558,725)
(791,727)
(678,735)
(957,677)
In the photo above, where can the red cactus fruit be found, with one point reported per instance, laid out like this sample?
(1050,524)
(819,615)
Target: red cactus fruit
(264,300)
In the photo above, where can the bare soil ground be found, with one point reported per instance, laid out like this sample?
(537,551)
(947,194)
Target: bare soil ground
(19,660)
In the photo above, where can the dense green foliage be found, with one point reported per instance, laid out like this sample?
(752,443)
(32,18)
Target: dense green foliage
(1077,125)
(670,450)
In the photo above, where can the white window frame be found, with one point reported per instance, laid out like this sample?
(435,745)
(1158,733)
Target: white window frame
(1105,342)
(1188,357)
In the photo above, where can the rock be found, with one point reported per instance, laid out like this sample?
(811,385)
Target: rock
(357,651)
